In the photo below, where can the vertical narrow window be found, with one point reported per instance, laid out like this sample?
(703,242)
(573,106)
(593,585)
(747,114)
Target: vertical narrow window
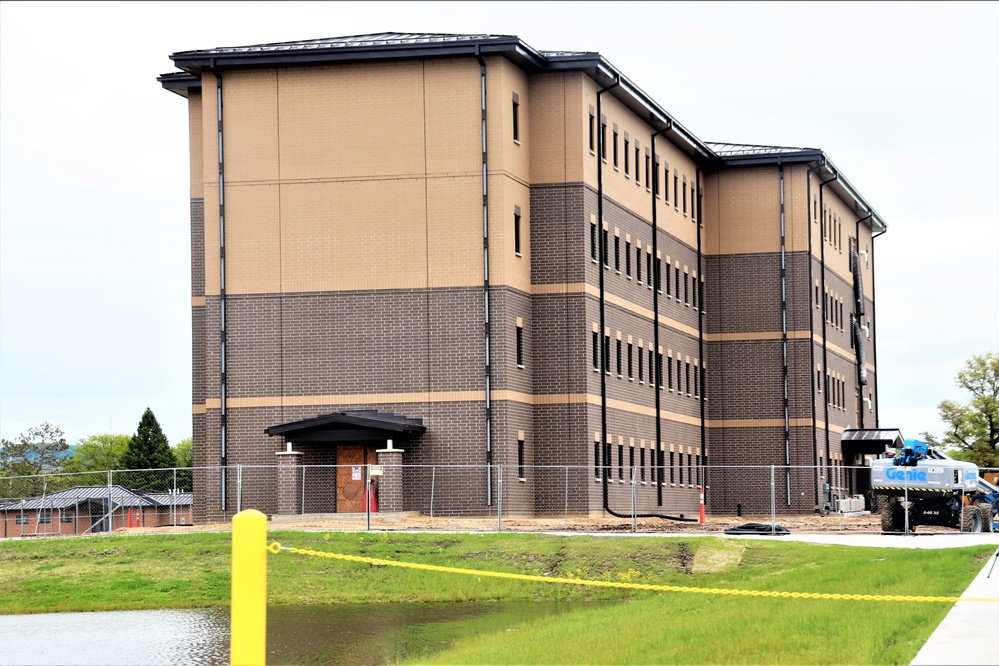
(700,292)
(684,195)
(638,264)
(617,253)
(668,281)
(679,466)
(693,202)
(659,370)
(648,269)
(666,182)
(592,129)
(641,376)
(606,249)
(620,462)
(655,179)
(648,166)
(520,345)
(652,361)
(700,371)
(630,374)
(696,372)
(686,288)
(693,293)
(638,156)
(818,381)
(596,350)
(619,358)
(626,144)
(596,459)
(672,468)
(676,274)
(669,374)
(641,464)
(593,241)
(615,147)
(686,375)
(603,138)
(679,377)
(852,321)
(631,461)
(516,229)
(627,258)
(520,458)
(607,354)
(516,117)
(676,188)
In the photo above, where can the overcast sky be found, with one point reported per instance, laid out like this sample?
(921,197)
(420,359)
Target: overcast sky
(94,218)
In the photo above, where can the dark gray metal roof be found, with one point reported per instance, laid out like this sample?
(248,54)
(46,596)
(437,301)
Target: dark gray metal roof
(746,149)
(873,440)
(349,426)
(120,496)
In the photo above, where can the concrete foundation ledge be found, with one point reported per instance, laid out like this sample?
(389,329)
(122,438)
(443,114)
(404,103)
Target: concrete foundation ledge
(380,516)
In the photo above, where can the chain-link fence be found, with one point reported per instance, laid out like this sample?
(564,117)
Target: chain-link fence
(466,497)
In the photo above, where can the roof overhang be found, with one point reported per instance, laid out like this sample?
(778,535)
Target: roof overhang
(871,441)
(365,425)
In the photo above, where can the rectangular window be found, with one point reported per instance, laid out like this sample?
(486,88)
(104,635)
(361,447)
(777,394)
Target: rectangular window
(693,202)
(676,273)
(659,370)
(686,288)
(516,117)
(672,468)
(593,241)
(666,182)
(65,518)
(669,374)
(615,146)
(592,130)
(520,458)
(648,176)
(44,518)
(627,258)
(700,292)
(21,519)
(620,462)
(668,281)
(618,358)
(684,195)
(652,361)
(626,143)
(596,459)
(596,350)
(641,464)
(686,376)
(693,293)
(655,179)
(603,138)
(606,248)
(695,380)
(638,156)
(617,253)
(701,373)
(520,346)
(607,354)
(631,462)
(659,274)
(638,264)
(679,376)
(648,269)
(516,229)
(679,467)
(630,375)
(641,376)
(676,189)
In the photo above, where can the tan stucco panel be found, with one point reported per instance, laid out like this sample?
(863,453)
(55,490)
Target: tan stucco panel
(250,116)
(453,117)
(196,138)
(253,240)
(454,230)
(744,212)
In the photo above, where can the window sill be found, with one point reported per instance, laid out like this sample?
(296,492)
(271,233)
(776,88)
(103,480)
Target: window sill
(518,254)
(516,141)
(520,365)
(631,379)
(522,480)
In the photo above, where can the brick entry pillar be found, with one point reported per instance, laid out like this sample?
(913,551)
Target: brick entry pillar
(390,485)
(289,483)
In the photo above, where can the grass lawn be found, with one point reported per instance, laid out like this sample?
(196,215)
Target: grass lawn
(192,570)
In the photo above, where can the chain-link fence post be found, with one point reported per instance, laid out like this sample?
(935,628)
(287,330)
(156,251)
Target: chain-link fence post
(634,502)
(499,498)
(367,496)
(304,470)
(239,488)
(566,503)
(433,479)
(773,502)
(110,512)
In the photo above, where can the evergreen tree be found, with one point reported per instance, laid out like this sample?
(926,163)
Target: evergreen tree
(148,450)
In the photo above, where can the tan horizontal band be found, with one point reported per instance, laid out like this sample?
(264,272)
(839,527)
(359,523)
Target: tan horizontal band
(197,301)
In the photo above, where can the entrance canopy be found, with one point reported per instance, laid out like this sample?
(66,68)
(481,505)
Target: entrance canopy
(353,426)
(871,441)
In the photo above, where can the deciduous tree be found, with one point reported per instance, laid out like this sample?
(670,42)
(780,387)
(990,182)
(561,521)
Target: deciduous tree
(40,450)
(973,427)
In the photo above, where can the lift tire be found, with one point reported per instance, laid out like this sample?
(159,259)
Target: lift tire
(971,519)
(892,517)
(986,510)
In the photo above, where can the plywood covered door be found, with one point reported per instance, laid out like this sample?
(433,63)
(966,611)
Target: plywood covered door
(350,460)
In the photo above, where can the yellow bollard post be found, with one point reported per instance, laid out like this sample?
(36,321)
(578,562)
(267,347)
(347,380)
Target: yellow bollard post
(248,614)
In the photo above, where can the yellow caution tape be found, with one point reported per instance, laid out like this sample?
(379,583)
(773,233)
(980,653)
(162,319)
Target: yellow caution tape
(275,547)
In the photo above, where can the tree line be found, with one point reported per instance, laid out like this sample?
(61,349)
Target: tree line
(43,450)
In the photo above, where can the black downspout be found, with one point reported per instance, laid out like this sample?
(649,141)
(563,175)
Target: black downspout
(700,336)
(811,328)
(872,319)
(825,342)
(222,296)
(485,284)
(656,277)
(857,314)
(783,316)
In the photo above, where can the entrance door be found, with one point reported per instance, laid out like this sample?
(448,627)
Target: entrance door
(350,460)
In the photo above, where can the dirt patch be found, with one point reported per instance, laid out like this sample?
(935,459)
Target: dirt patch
(725,557)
